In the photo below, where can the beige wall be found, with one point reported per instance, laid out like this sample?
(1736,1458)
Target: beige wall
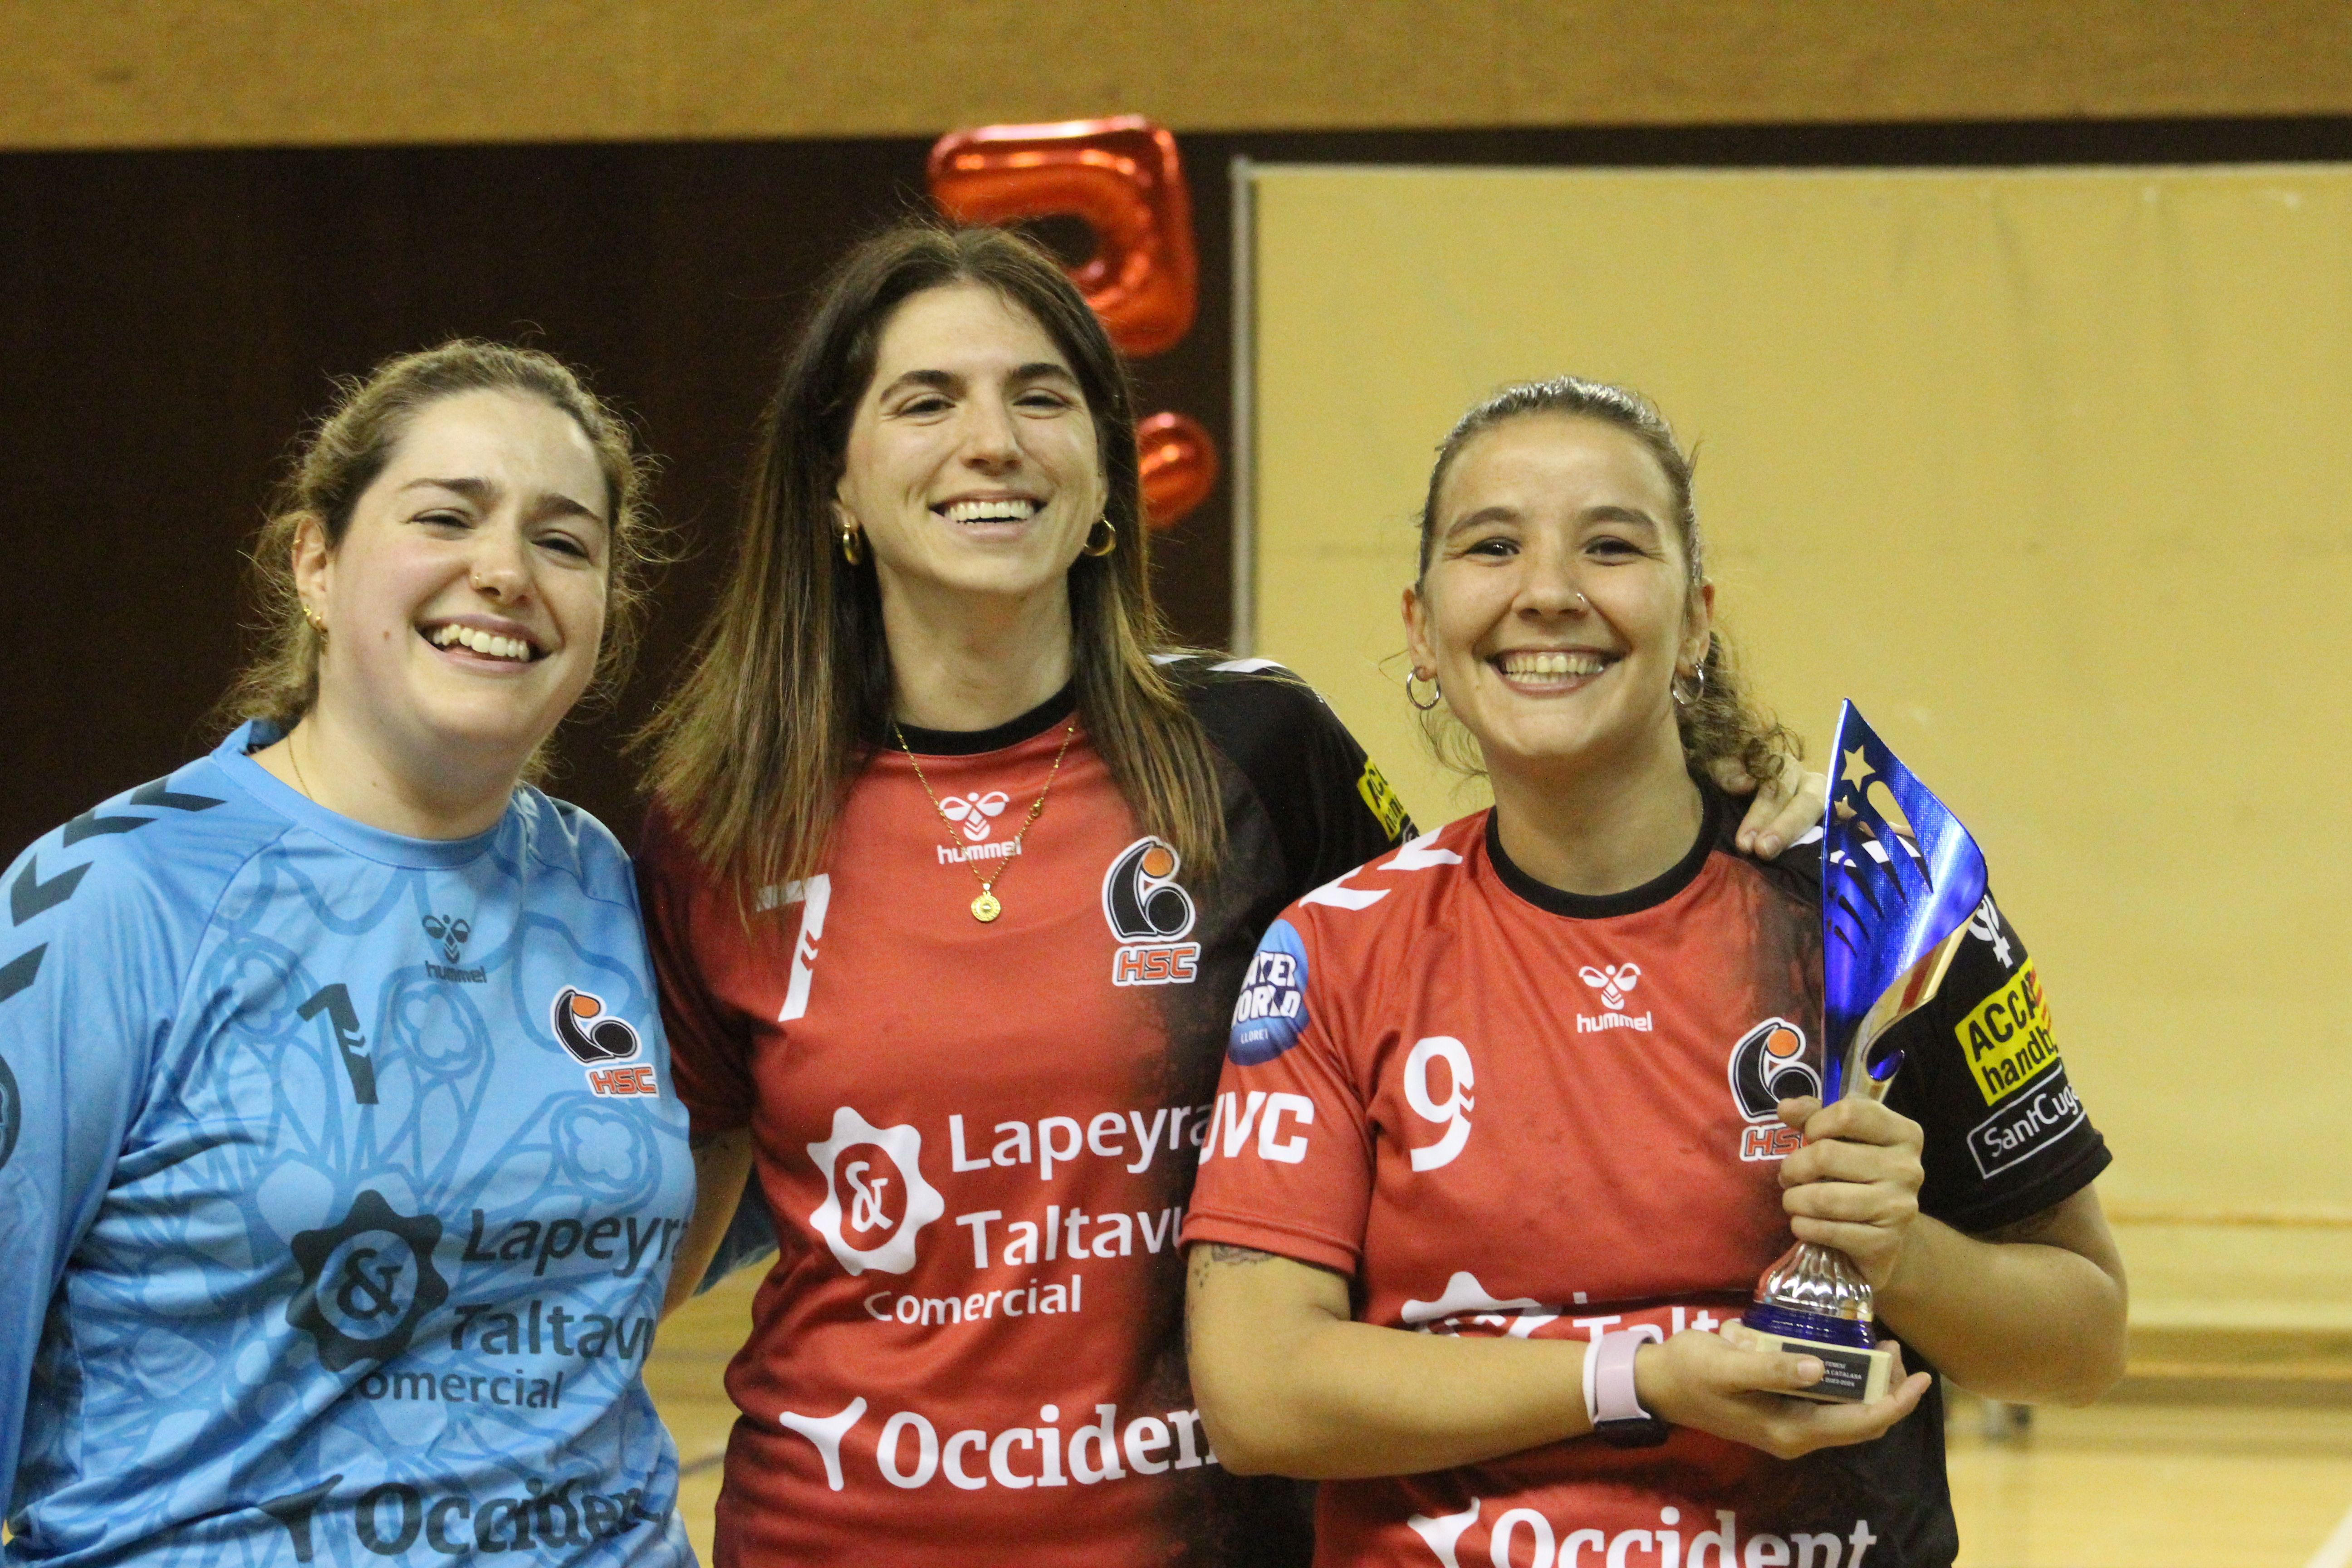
(2044,470)
(93,73)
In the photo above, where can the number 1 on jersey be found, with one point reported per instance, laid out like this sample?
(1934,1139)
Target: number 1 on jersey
(335,1002)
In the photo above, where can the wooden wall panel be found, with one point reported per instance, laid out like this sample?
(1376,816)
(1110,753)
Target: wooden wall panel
(101,73)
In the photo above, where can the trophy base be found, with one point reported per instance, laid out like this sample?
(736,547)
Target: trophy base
(1848,1376)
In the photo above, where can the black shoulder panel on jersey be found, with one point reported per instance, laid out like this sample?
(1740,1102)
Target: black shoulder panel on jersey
(1994,1153)
(1330,807)
(1798,869)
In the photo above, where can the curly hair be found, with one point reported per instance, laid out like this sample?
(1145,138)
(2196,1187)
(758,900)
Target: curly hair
(1721,720)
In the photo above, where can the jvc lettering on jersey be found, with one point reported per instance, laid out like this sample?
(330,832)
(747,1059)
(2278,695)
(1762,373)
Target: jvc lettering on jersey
(1277,1119)
(2007,1038)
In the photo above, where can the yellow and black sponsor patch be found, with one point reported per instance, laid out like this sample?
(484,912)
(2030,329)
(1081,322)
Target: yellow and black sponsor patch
(2007,1039)
(1381,800)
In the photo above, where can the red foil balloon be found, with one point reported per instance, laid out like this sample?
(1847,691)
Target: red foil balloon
(1179,466)
(1121,178)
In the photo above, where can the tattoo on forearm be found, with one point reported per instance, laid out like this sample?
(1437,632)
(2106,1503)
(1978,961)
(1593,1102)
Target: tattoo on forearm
(1220,1252)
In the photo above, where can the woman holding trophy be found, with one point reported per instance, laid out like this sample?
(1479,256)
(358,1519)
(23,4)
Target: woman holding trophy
(954,873)
(1553,1075)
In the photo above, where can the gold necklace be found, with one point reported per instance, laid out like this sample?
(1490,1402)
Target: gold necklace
(987,906)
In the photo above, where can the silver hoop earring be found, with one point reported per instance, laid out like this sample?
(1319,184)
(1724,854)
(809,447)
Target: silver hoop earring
(1698,691)
(1436,692)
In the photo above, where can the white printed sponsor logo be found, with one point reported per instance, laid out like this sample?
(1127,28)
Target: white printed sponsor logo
(1466,1303)
(868,1183)
(908,1453)
(1615,982)
(964,854)
(2022,1129)
(1545,1545)
(1279,1120)
(871,1190)
(1061,1141)
(1985,926)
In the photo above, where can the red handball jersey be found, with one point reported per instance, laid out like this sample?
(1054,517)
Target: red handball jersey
(1499,1109)
(977,1141)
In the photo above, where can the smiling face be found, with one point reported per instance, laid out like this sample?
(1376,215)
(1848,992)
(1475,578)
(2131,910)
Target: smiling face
(1556,607)
(466,601)
(972,466)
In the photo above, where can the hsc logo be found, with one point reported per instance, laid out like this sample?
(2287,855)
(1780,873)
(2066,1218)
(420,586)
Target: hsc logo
(1769,1066)
(1150,914)
(596,1040)
(879,1170)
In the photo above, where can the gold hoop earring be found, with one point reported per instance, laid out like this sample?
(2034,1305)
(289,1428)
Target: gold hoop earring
(1436,692)
(317,621)
(1110,539)
(852,547)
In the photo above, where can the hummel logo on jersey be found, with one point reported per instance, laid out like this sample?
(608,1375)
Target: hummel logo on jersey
(603,1041)
(452,932)
(881,1169)
(1150,913)
(1614,982)
(972,813)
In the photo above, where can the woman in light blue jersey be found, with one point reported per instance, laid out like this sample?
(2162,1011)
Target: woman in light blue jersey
(339,1170)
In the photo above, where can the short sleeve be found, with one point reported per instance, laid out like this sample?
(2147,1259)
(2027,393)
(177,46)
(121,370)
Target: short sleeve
(2007,1134)
(708,1055)
(1287,1164)
(1329,806)
(85,998)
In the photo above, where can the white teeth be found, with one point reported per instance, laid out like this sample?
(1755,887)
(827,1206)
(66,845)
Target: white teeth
(1013,510)
(1556,664)
(487,644)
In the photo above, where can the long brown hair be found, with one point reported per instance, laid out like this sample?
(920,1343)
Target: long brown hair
(337,461)
(1721,720)
(790,681)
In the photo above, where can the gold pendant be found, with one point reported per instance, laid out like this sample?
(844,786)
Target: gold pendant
(985,907)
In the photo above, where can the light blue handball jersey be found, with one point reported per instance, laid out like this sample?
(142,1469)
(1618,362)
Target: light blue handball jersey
(339,1177)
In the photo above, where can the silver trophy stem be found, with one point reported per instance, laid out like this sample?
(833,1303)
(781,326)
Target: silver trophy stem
(1822,1280)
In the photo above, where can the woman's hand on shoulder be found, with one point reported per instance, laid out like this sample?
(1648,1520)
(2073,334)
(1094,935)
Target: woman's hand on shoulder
(1724,1383)
(1785,809)
(1855,1184)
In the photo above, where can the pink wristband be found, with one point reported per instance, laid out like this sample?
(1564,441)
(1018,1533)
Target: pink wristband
(1608,1393)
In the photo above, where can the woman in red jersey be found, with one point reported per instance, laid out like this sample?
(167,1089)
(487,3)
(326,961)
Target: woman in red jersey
(953,874)
(1513,1089)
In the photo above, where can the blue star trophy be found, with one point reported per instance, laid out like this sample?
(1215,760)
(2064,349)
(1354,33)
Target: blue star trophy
(1900,877)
